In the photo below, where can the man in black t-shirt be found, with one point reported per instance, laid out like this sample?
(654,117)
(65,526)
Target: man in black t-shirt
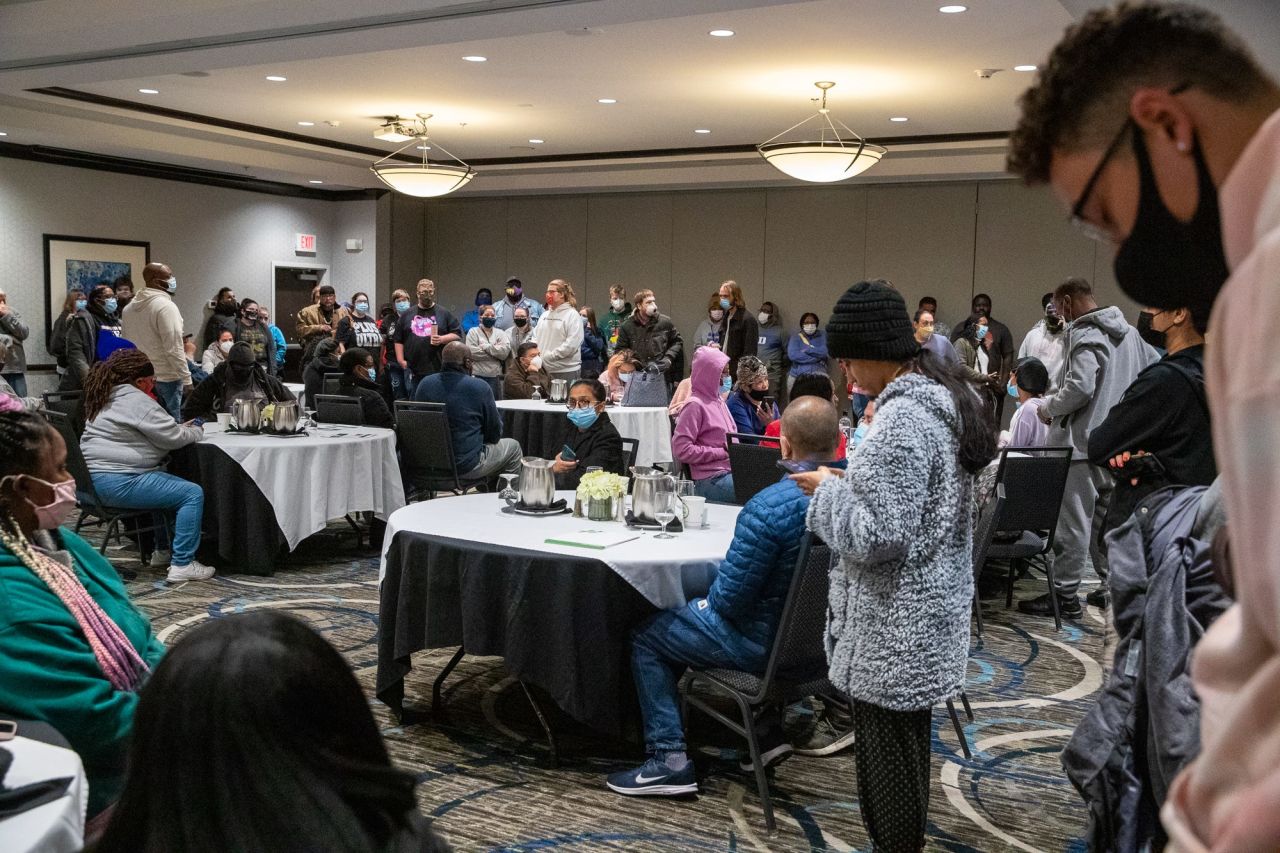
(422,332)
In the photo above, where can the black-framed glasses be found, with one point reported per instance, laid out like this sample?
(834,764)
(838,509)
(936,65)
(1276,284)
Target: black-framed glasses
(581,404)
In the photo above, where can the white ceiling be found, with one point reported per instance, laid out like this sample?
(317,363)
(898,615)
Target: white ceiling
(548,63)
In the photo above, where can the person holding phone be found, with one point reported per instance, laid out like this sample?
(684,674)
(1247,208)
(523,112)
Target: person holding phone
(591,439)
(749,403)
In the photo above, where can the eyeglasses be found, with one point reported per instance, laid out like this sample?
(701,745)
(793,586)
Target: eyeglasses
(581,404)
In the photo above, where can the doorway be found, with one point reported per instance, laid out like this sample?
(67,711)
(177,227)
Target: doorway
(293,285)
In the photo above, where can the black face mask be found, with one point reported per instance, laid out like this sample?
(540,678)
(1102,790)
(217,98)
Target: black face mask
(758,395)
(227,307)
(1054,324)
(1166,263)
(1156,338)
(240,372)
(521,322)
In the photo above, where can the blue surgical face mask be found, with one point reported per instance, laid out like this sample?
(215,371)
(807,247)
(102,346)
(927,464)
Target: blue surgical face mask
(402,306)
(111,303)
(982,332)
(82,304)
(362,307)
(1013,390)
(373,374)
(726,385)
(860,433)
(724,303)
(172,283)
(583,418)
(625,377)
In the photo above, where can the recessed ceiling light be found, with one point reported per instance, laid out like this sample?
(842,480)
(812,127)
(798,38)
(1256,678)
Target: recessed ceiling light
(898,118)
(1024,68)
(148,91)
(535,141)
(951,10)
(476,58)
(306,124)
(315,182)
(276,78)
(721,34)
(606,100)
(2,133)
(702,130)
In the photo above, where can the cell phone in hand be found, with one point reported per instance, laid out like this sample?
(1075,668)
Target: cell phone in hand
(1143,467)
(567,454)
(769,403)
(793,466)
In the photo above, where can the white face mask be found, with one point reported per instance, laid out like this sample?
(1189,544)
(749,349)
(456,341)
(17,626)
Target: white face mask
(763,317)
(617,304)
(651,309)
(535,363)
(172,283)
(810,329)
(717,315)
(225,346)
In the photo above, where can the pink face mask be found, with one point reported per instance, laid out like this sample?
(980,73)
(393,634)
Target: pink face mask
(55,513)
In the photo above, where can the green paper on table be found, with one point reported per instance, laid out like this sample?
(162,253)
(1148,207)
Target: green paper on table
(597,539)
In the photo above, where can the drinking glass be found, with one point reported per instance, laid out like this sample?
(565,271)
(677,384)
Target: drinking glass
(507,493)
(666,513)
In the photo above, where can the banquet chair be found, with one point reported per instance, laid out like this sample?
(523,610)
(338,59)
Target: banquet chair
(339,409)
(754,466)
(93,511)
(1034,479)
(426,451)
(630,451)
(67,402)
(983,533)
(330,383)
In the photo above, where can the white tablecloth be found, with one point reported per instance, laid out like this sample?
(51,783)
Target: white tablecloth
(668,572)
(323,475)
(297,388)
(650,425)
(56,826)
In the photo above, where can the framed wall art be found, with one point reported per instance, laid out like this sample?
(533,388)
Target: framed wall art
(84,263)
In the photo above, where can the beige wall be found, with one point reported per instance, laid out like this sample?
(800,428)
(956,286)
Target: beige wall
(799,247)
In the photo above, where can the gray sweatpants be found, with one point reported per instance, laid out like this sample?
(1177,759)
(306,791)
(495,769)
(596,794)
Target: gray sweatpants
(500,458)
(1084,505)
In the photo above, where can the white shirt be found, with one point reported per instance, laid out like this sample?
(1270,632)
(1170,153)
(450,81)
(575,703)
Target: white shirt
(1049,347)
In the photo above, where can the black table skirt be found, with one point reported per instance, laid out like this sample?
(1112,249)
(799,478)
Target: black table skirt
(539,433)
(239,533)
(562,623)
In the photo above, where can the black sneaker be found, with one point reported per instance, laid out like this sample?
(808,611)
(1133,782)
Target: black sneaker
(1098,598)
(1041,605)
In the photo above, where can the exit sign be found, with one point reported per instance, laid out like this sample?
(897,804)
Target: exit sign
(304,243)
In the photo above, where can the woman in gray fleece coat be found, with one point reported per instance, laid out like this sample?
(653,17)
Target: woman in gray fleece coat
(900,520)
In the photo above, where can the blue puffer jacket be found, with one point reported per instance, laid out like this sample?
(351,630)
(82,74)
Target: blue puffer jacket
(750,588)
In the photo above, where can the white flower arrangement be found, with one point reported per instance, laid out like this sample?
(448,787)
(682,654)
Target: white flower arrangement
(601,485)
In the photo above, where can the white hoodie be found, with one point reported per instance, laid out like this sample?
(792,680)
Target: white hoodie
(154,325)
(559,337)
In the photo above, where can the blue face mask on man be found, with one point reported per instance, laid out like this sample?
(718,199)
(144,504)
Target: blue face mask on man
(725,303)
(583,418)
(111,303)
(1013,390)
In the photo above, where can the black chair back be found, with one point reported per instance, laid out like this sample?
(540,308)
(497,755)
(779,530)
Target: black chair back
(754,467)
(426,443)
(1034,479)
(983,533)
(75,459)
(68,403)
(630,450)
(339,409)
(799,648)
(330,384)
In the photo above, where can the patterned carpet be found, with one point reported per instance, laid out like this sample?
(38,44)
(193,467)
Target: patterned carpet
(484,768)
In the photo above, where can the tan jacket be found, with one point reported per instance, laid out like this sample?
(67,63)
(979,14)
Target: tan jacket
(154,325)
(311,322)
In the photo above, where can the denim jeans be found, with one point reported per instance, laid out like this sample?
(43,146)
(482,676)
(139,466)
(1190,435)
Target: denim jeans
(401,384)
(718,488)
(495,384)
(170,396)
(858,405)
(662,647)
(161,491)
(17,381)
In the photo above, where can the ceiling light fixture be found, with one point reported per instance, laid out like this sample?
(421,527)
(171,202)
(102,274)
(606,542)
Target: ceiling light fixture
(606,100)
(315,182)
(721,34)
(306,124)
(476,58)
(702,130)
(952,10)
(898,118)
(276,78)
(535,141)
(1024,68)
(826,159)
(148,91)
(2,133)
(425,180)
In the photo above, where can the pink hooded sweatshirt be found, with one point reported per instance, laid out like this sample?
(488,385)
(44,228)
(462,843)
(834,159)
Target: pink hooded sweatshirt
(1228,799)
(704,420)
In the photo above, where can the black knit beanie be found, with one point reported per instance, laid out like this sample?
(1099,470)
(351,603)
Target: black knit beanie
(871,322)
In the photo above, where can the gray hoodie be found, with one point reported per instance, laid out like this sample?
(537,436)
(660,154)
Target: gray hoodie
(1104,355)
(133,434)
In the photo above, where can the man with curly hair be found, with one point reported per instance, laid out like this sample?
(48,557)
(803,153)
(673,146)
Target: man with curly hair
(1159,131)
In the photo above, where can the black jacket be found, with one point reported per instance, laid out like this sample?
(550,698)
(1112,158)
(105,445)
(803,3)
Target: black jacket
(739,336)
(655,343)
(216,325)
(313,377)
(207,398)
(600,444)
(81,347)
(372,406)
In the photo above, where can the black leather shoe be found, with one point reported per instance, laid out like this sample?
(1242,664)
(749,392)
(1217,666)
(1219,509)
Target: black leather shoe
(1098,598)
(1068,608)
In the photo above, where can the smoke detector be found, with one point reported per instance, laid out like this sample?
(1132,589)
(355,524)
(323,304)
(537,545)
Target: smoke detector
(987,73)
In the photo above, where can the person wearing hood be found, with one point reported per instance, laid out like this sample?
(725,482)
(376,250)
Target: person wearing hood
(703,422)
(1047,341)
(771,347)
(154,324)
(514,298)
(360,380)
(239,377)
(471,319)
(619,312)
(748,403)
(653,339)
(225,311)
(590,434)
(92,335)
(324,361)
(1104,355)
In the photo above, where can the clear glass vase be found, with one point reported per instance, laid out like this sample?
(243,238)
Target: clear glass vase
(600,509)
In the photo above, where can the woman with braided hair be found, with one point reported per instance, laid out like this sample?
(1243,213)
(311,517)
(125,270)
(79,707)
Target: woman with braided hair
(127,437)
(73,650)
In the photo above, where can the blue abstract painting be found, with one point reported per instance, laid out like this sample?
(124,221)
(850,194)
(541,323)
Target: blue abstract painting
(86,275)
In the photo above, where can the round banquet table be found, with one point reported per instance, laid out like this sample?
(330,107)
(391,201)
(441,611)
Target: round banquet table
(460,571)
(540,427)
(264,494)
(50,818)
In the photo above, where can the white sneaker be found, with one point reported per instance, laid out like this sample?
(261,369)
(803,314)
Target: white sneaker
(193,571)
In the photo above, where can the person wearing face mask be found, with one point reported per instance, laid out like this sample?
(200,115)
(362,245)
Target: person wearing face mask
(126,443)
(1047,340)
(277,335)
(238,377)
(123,287)
(749,402)
(996,344)
(591,436)
(930,304)
(521,328)
(653,339)
(471,319)
(401,380)
(13,369)
(423,331)
(513,299)
(74,303)
(739,333)
(807,351)
(699,437)
(92,335)
(226,309)
(708,332)
(1171,155)
(251,330)
(593,344)
(1104,355)
(154,324)
(360,380)
(618,374)
(926,329)
(1027,385)
(559,332)
(74,651)
(771,346)
(198,373)
(490,348)
(359,329)
(619,312)
(319,320)
(526,373)
(975,355)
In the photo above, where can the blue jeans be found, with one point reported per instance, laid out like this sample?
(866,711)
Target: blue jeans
(401,387)
(718,488)
(662,647)
(170,396)
(858,405)
(161,491)
(495,384)
(17,381)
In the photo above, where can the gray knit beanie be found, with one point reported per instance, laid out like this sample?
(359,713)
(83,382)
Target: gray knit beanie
(871,322)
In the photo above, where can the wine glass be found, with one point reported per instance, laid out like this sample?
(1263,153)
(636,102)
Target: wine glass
(666,513)
(507,494)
